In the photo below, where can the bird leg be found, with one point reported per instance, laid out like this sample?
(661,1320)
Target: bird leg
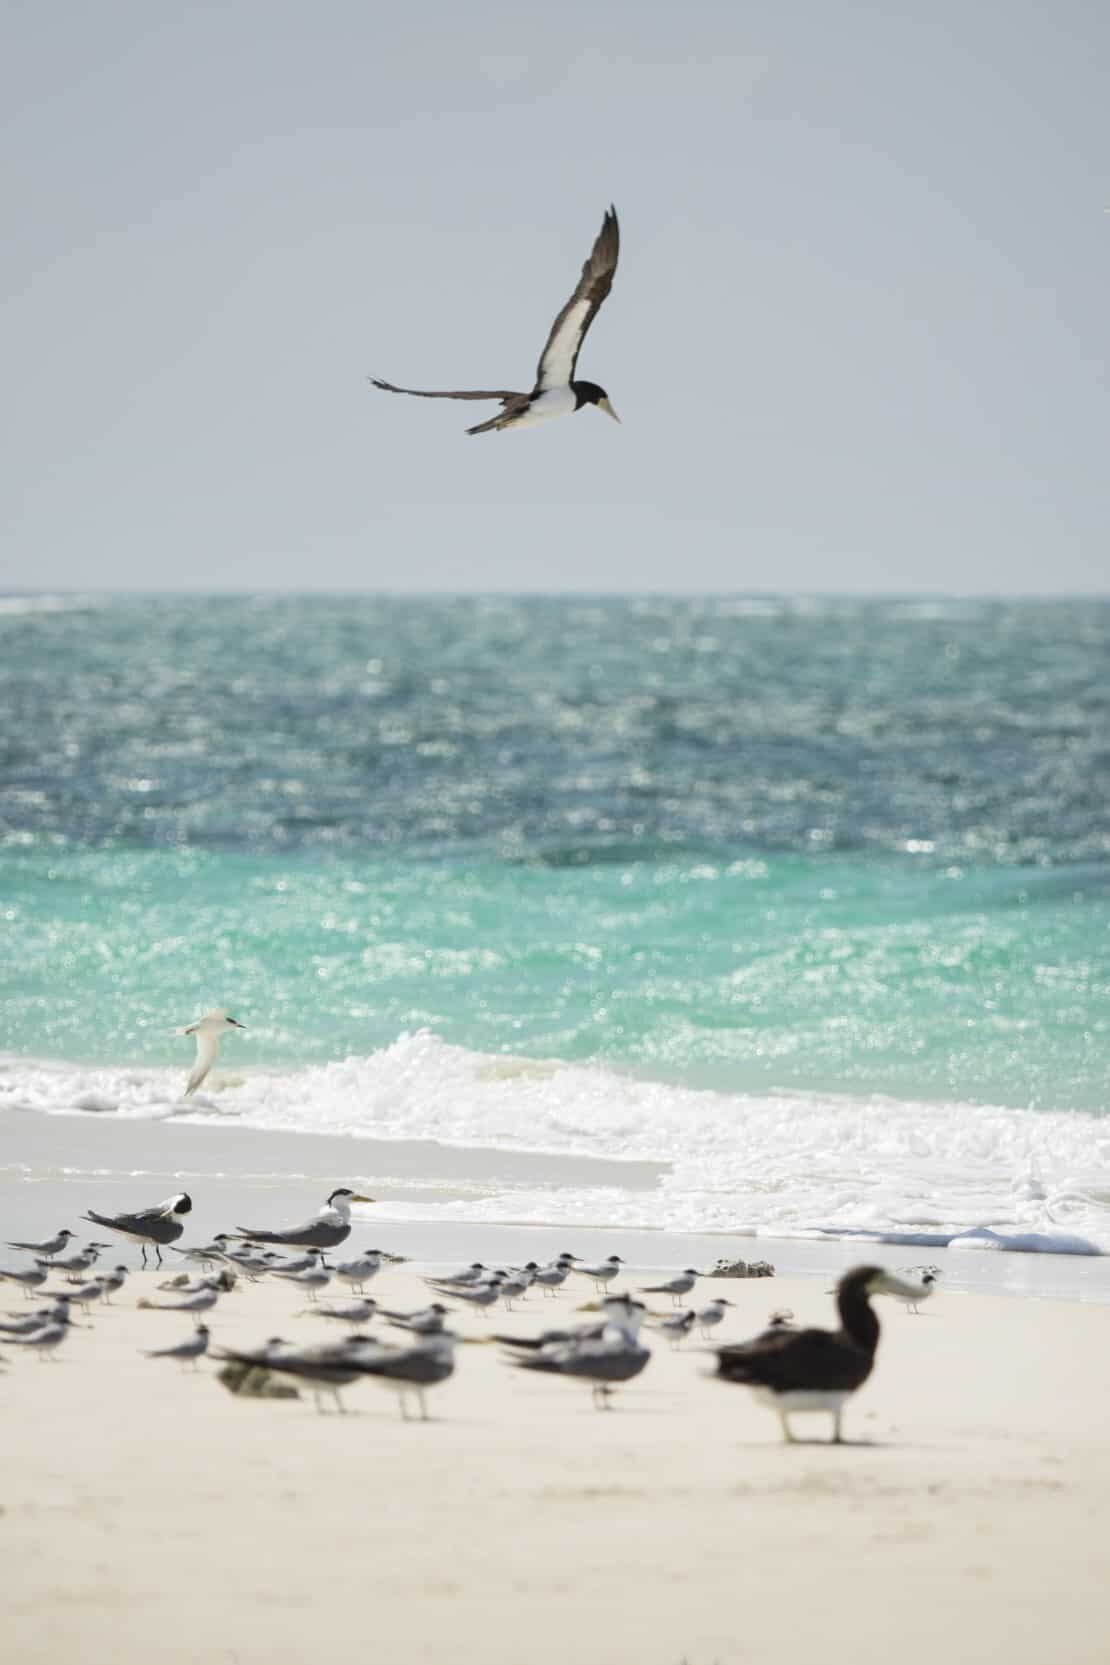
(838,1438)
(786,1430)
(143,1247)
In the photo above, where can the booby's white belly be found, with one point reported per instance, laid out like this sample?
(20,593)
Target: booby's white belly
(558,401)
(802,1399)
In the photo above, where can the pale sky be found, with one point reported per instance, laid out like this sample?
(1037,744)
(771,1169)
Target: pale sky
(858,336)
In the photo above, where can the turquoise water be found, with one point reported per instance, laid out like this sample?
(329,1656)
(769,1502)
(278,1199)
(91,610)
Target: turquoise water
(833,847)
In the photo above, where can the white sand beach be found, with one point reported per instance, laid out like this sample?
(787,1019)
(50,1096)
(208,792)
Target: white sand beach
(147,1511)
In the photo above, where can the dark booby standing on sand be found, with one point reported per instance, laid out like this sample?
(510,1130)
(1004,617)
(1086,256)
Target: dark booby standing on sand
(815,1370)
(155,1226)
(557,392)
(326,1230)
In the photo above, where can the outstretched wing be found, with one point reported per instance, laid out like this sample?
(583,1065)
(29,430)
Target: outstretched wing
(419,393)
(207,1047)
(560,356)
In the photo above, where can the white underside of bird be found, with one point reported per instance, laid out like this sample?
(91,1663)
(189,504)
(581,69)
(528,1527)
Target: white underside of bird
(555,401)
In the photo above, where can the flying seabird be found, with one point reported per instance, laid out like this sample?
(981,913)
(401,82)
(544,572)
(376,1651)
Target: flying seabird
(207,1031)
(557,392)
(329,1227)
(188,1351)
(157,1226)
(815,1370)
(681,1284)
(47,1250)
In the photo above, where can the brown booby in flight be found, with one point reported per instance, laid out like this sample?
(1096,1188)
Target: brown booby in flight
(557,392)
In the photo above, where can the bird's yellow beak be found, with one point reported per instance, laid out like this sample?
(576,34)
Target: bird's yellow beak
(603,404)
(356,1199)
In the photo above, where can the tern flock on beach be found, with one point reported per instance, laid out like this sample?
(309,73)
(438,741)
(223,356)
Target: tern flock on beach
(793,1370)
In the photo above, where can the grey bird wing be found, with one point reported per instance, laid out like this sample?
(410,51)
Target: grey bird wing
(208,1046)
(314,1234)
(598,1361)
(421,393)
(560,356)
(154,1223)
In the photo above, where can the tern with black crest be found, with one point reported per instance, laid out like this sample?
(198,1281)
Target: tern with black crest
(329,1227)
(156,1227)
(207,1032)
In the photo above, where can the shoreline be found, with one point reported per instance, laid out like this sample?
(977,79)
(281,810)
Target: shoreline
(54,1167)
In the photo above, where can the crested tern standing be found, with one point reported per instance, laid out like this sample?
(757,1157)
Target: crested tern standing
(676,1287)
(58,1313)
(425,1321)
(48,1249)
(29,1281)
(712,1314)
(76,1263)
(410,1371)
(616,1355)
(329,1227)
(353,1312)
(358,1272)
(555,1274)
(312,1278)
(480,1295)
(188,1351)
(156,1227)
(556,392)
(49,1338)
(604,1272)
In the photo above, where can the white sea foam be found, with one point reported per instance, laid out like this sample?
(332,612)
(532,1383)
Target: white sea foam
(978,1177)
